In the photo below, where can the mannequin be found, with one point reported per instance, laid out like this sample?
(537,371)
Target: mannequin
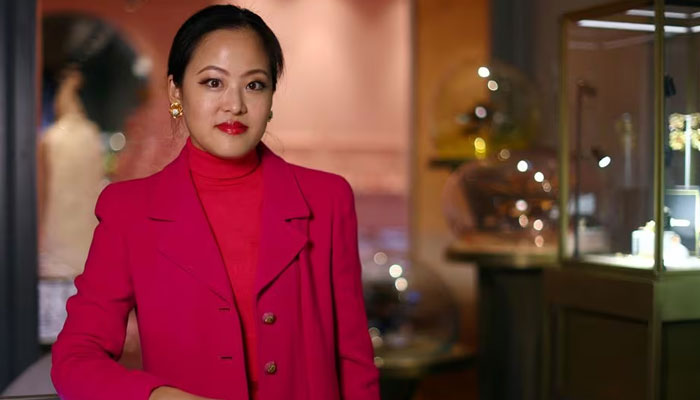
(71,166)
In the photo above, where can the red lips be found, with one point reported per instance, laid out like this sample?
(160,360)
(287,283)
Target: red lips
(232,128)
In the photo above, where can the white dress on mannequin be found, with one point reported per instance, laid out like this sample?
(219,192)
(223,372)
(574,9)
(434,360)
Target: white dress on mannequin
(74,161)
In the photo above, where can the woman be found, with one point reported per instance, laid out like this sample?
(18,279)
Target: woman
(243,269)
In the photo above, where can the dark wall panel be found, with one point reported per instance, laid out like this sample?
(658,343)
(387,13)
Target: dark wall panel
(18,255)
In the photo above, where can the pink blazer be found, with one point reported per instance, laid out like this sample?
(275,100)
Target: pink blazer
(153,251)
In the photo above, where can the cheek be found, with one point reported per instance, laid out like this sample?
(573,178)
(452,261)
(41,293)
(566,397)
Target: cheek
(201,109)
(197,102)
(261,107)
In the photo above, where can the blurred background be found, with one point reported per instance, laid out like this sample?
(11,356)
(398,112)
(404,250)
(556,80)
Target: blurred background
(442,114)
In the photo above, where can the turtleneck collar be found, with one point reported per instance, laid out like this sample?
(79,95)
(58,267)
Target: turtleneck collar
(204,164)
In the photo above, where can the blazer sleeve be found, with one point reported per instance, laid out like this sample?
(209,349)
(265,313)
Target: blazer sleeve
(358,377)
(84,356)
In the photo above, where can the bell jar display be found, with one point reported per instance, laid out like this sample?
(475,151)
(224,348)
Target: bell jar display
(506,117)
(411,314)
(505,203)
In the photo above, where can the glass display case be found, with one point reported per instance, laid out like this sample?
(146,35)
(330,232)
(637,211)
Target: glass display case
(623,311)
(631,135)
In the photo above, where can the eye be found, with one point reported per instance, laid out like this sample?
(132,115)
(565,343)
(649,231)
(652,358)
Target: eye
(212,83)
(256,85)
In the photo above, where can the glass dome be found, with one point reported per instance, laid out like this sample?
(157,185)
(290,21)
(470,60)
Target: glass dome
(410,311)
(505,203)
(505,116)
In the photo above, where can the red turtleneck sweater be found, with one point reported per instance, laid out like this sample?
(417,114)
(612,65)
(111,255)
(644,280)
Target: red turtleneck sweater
(230,191)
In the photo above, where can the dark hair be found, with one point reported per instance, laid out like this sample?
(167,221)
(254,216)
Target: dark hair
(217,17)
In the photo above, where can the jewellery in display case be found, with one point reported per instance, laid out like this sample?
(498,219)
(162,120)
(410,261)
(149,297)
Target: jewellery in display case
(695,130)
(676,137)
(681,233)
(684,130)
(643,243)
(684,135)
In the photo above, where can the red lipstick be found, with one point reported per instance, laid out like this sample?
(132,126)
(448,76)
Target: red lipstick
(232,128)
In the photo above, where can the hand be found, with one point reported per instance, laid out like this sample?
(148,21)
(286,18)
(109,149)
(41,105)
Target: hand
(170,393)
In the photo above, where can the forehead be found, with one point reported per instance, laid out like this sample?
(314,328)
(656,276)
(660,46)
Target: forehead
(230,48)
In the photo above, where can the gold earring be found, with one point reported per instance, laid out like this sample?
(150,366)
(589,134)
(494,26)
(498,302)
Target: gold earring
(176,110)
(269,117)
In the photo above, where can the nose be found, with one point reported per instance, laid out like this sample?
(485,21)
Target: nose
(234,102)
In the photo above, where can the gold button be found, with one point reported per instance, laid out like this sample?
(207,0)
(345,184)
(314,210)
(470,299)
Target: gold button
(269,318)
(271,367)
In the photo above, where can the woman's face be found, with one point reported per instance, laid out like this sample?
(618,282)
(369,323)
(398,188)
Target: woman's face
(226,92)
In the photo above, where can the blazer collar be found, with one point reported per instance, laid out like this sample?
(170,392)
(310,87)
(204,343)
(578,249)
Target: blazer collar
(173,189)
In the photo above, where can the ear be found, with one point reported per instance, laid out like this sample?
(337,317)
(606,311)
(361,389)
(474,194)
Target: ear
(174,92)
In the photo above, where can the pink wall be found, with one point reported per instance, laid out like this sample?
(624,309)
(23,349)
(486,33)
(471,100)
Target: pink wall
(343,104)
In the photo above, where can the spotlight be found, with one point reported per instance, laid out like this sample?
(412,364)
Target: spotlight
(601,158)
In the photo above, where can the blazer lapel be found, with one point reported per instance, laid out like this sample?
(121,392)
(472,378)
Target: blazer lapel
(184,234)
(284,220)
(185,237)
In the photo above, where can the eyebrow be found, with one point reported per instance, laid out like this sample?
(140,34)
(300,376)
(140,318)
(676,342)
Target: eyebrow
(214,67)
(257,71)
(225,72)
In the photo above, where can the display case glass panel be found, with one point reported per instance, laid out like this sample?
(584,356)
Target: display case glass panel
(631,137)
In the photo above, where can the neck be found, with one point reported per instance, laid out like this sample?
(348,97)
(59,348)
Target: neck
(205,164)
(68,104)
